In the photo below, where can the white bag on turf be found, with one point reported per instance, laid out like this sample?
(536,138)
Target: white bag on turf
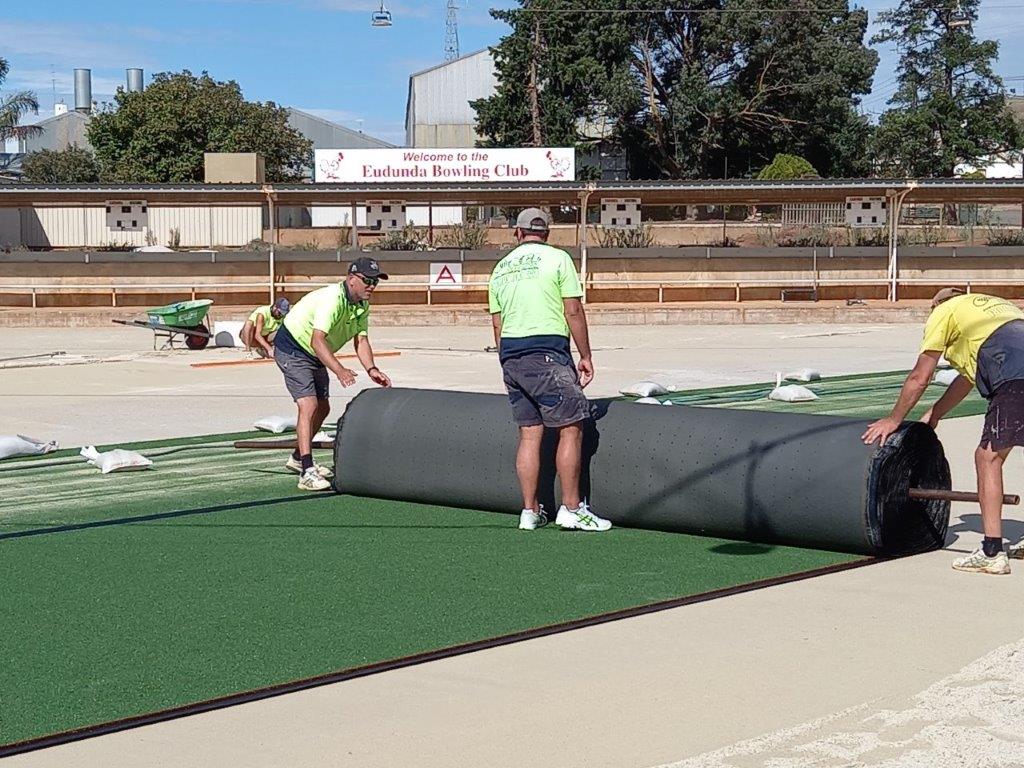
(648,401)
(945,376)
(804,374)
(19,445)
(117,460)
(790,393)
(645,389)
(277,424)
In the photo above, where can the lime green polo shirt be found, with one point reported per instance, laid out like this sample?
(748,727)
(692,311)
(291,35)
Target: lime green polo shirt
(270,323)
(527,288)
(327,309)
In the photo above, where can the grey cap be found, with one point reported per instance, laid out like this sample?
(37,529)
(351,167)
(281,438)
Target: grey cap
(945,295)
(533,220)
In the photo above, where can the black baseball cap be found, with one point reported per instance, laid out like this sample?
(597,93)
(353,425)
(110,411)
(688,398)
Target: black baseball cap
(367,267)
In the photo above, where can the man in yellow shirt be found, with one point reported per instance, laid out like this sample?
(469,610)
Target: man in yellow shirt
(982,337)
(263,322)
(321,323)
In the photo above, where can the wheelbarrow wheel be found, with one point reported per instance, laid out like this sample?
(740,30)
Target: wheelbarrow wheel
(193,341)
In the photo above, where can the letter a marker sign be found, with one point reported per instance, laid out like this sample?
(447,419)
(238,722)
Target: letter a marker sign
(445,274)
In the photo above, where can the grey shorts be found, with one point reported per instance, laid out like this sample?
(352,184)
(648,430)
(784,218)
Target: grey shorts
(543,389)
(302,376)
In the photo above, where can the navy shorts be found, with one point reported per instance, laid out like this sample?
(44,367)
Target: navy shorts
(303,377)
(544,389)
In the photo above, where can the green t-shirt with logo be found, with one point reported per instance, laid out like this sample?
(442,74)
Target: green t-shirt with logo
(270,323)
(527,288)
(327,309)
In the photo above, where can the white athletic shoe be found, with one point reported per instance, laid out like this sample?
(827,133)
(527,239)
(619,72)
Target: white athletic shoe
(295,465)
(581,519)
(977,562)
(531,521)
(1016,550)
(311,480)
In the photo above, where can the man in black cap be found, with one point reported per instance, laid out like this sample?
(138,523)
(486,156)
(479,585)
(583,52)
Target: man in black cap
(316,327)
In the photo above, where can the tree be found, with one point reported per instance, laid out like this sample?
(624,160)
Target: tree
(554,71)
(949,106)
(14,107)
(73,165)
(787,167)
(690,92)
(160,134)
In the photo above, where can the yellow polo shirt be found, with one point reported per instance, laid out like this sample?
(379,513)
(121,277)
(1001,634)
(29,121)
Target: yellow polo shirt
(958,327)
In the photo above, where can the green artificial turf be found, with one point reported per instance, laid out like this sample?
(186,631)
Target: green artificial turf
(211,574)
(860,396)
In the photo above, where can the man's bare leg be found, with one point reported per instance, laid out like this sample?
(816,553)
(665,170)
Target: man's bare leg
(304,430)
(528,464)
(989,466)
(568,460)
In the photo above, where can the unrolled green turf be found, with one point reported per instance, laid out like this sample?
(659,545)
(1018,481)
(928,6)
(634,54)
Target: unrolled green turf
(243,582)
(860,396)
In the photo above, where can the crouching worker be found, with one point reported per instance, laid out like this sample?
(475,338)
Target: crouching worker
(261,325)
(318,325)
(982,337)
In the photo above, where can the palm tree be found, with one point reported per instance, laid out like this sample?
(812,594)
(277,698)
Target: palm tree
(13,107)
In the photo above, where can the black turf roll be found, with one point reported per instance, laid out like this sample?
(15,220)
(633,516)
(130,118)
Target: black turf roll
(777,478)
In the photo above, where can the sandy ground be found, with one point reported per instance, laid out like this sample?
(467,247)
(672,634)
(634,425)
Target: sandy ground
(907,663)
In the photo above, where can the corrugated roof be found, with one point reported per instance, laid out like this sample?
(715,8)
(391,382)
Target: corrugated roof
(727,192)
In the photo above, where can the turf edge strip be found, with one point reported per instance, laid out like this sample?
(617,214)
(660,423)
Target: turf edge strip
(257,694)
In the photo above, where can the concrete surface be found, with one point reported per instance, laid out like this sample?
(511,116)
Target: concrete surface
(110,385)
(905,663)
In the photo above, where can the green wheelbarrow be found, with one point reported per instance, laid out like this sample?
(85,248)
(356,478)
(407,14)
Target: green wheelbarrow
(183,318)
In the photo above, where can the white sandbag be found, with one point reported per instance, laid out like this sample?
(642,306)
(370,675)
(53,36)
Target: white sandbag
(19,445)
(790,393)
(945,377)
(666,402)
(645,389)
(322,437)
(648,401)
(228,333)
(277,424)
(804,374)
(117,460)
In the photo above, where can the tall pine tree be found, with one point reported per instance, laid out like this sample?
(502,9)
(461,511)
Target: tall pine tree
(949,106)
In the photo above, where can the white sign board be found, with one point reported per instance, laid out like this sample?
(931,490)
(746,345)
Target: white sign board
(384,166)
(445,274)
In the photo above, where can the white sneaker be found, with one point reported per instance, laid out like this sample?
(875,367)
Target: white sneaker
(977,562)
(311,480)
(581,519)
(295,465)
(531,521)
(1016,550)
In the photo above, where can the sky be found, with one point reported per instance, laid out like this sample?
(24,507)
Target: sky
(321,56)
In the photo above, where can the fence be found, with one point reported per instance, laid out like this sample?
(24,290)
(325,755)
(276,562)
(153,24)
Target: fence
(814,214)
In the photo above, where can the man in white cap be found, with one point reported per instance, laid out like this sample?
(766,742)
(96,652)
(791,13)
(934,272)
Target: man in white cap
(534,295)
(982,337)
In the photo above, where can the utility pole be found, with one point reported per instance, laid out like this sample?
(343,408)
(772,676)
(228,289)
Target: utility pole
(533,87)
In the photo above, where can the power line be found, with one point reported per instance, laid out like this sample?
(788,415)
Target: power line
(665,11)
